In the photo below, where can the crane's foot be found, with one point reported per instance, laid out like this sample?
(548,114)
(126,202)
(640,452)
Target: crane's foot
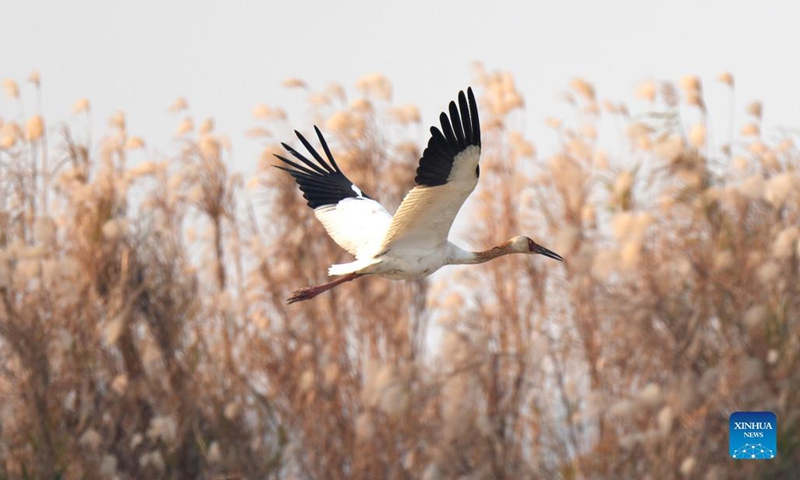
(310,292)
(304,294)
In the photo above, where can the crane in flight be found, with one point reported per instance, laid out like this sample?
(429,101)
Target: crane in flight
(413,243)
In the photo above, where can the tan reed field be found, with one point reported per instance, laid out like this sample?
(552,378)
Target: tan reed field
(144,331)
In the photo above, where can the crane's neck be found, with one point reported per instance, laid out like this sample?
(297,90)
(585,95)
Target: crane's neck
(460,256)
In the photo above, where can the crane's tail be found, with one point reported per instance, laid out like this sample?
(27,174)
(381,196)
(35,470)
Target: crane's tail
(359,266)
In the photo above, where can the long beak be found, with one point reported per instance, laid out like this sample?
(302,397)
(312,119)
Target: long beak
(548,253)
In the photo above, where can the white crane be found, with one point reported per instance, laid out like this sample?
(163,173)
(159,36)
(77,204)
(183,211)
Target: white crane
(413,243)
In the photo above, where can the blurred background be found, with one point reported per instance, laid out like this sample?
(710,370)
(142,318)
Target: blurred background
(147,245)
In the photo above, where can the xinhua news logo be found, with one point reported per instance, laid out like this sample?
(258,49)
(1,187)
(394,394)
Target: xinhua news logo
(753,435)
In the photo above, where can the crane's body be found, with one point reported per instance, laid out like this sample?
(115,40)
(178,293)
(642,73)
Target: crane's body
(407,264)
(413,243)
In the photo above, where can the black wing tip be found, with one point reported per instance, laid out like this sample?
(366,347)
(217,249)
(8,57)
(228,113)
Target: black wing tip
(305,143)
(458,127)
(471,97)
(464,122)
(473,110)
(459,131)
(321,182)
(327,149)
(282,159)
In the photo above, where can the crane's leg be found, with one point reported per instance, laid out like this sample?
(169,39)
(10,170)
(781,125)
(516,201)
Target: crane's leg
(310,292)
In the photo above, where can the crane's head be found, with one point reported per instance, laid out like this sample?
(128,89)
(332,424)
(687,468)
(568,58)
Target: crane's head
(526,245)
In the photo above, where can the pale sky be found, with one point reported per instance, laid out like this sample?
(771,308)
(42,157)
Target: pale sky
(227,57)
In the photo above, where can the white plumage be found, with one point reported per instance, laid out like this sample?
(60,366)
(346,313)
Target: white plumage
(413,243)
(357,224)
(424,218)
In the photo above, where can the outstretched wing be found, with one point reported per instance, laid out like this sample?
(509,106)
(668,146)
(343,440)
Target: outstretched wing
(448,172)
(355,221)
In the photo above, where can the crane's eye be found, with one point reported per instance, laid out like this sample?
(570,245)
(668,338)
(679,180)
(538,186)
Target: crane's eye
(531,245)
(478,171)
